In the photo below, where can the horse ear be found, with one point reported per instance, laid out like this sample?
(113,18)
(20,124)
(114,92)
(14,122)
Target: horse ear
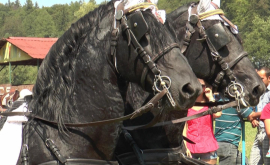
(203,6)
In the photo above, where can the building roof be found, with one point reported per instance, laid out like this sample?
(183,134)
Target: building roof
(36,48)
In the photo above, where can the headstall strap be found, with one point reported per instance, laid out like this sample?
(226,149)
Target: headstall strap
(234,89)
(24,149)
(120,19)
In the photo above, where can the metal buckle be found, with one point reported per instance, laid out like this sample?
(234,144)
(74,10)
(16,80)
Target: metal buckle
(47,140)
(26,146)
(149,59)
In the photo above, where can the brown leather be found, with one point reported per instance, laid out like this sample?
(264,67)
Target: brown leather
(210,111)
(136,113)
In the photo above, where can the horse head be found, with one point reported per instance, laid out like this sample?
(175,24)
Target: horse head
(214,50)
(84,75)
(154,56)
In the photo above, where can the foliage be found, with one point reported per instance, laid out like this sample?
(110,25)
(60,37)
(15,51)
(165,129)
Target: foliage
(85,8)
(19,75)
(170,5)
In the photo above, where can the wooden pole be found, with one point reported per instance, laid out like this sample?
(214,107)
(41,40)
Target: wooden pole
(10,71)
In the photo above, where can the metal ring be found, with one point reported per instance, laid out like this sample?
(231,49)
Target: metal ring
(237,85)
(162,78)
(226,67)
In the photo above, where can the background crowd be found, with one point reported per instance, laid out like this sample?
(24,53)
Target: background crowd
(224,141)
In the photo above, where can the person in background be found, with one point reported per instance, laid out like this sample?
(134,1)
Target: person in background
(265,117)
(200,130)
(261,142)
(11,130)
(228,130)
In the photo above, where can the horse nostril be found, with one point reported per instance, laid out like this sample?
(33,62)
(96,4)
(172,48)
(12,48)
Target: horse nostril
(187,88)
(257,90)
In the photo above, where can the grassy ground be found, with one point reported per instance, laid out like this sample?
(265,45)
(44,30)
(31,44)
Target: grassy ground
(250,136)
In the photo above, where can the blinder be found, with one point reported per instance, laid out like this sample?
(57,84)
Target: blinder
(218,36)
(137,24)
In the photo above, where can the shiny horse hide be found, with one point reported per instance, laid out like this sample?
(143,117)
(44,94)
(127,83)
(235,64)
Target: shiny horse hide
(84,79)
(199,56)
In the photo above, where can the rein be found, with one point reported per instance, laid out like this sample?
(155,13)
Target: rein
(147,107)
(234,89)
(210,111)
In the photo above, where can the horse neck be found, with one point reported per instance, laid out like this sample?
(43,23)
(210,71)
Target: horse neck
(93,94)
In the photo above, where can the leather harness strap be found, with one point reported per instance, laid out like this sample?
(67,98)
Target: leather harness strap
(24,149)
(133,115)
(155,58)
(41,130)
(209,111)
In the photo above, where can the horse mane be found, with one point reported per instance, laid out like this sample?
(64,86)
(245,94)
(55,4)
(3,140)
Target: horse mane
(53,93)
(178,14)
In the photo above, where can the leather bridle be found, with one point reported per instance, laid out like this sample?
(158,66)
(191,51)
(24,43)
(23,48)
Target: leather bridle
(121,23)
(160,87)
(234,89)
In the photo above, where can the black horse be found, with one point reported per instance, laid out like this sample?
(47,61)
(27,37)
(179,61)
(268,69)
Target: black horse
(162,144)
(83,79)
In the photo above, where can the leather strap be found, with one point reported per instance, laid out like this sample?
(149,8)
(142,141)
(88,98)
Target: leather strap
(24,149)
(135,114)
(48,142)
(235,61)
(155,58)
(209,111)
(134,146)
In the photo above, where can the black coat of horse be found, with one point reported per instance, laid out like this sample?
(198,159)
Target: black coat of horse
(163,139)
(78,82)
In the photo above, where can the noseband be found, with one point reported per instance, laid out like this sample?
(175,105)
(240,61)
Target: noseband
(135,28)
(215,42)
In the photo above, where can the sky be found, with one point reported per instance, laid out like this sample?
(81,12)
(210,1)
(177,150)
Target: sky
(47,3)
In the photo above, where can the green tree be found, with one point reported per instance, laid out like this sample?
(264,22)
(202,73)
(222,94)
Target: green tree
(13,23)
(257,41)
(27,24)
(29,6)
(17,4)
(171,5)
(85,8)
(61,16)
(74,6)
(3,14)
(24,75)
(36,5)
(44,24)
